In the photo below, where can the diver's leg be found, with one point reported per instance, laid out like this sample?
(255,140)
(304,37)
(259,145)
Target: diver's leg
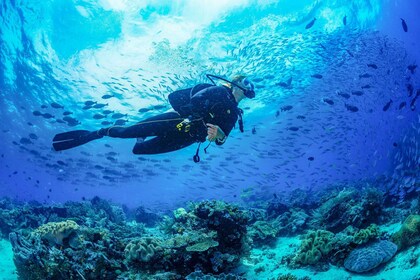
(163,144)
(154,126)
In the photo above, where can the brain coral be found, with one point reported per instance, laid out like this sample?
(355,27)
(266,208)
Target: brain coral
(368,257)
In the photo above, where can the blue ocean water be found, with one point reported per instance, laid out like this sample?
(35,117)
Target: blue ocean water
(336,104)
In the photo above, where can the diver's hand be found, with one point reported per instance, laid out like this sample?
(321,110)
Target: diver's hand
(214,132)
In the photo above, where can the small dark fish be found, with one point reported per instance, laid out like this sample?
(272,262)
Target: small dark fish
(357,93)
(47,116)
(293,128)
(316,76)
(410,90)
(282,84)
(329,101)
(395,144)
(108,146)
(286,108)
(350,53)
(309,25)
(275,195)
(69,119)
(285,84)
(412,68)
(374,66)
(106,123)
(387,105)
(413,102)
(87,107)
(254,130)
(111,159)
(345,95)
(98,116)
(44,106)
(366,86)
(257,80)
(60,162)
(269,77)
(56,105)
(37,113)
(345,20)
(351,108)
(25,141)
(404,25)
(60,121)
(402,105)
(300,117)
(33,136)
(99,106)
(107,96)
(311,158)
(120,122)
(144,110)
(158,107)
(277,113)
(90,103)
(366,75)
(107,112)
(30,124)
(118,115)
(66,113)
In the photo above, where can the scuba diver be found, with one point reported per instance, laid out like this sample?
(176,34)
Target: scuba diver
(203,111)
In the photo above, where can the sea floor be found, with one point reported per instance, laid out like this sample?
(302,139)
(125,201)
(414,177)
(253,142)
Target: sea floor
(7,267)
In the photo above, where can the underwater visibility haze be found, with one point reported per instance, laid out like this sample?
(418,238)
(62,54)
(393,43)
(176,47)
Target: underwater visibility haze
(323,183)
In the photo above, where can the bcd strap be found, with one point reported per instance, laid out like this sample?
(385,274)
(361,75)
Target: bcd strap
(240,119)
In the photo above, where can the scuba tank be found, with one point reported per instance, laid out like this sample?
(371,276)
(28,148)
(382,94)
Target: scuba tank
(180,99)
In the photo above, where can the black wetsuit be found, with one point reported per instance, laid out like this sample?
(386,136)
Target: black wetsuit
(214,104)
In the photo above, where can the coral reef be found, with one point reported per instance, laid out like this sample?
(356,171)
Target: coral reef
(56,233)
(98,256)
(409,234)
(370,256)
(292,222)
(144,250)
(141,215)
(262,232)
(97,240)
(315,246)
(349,207)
